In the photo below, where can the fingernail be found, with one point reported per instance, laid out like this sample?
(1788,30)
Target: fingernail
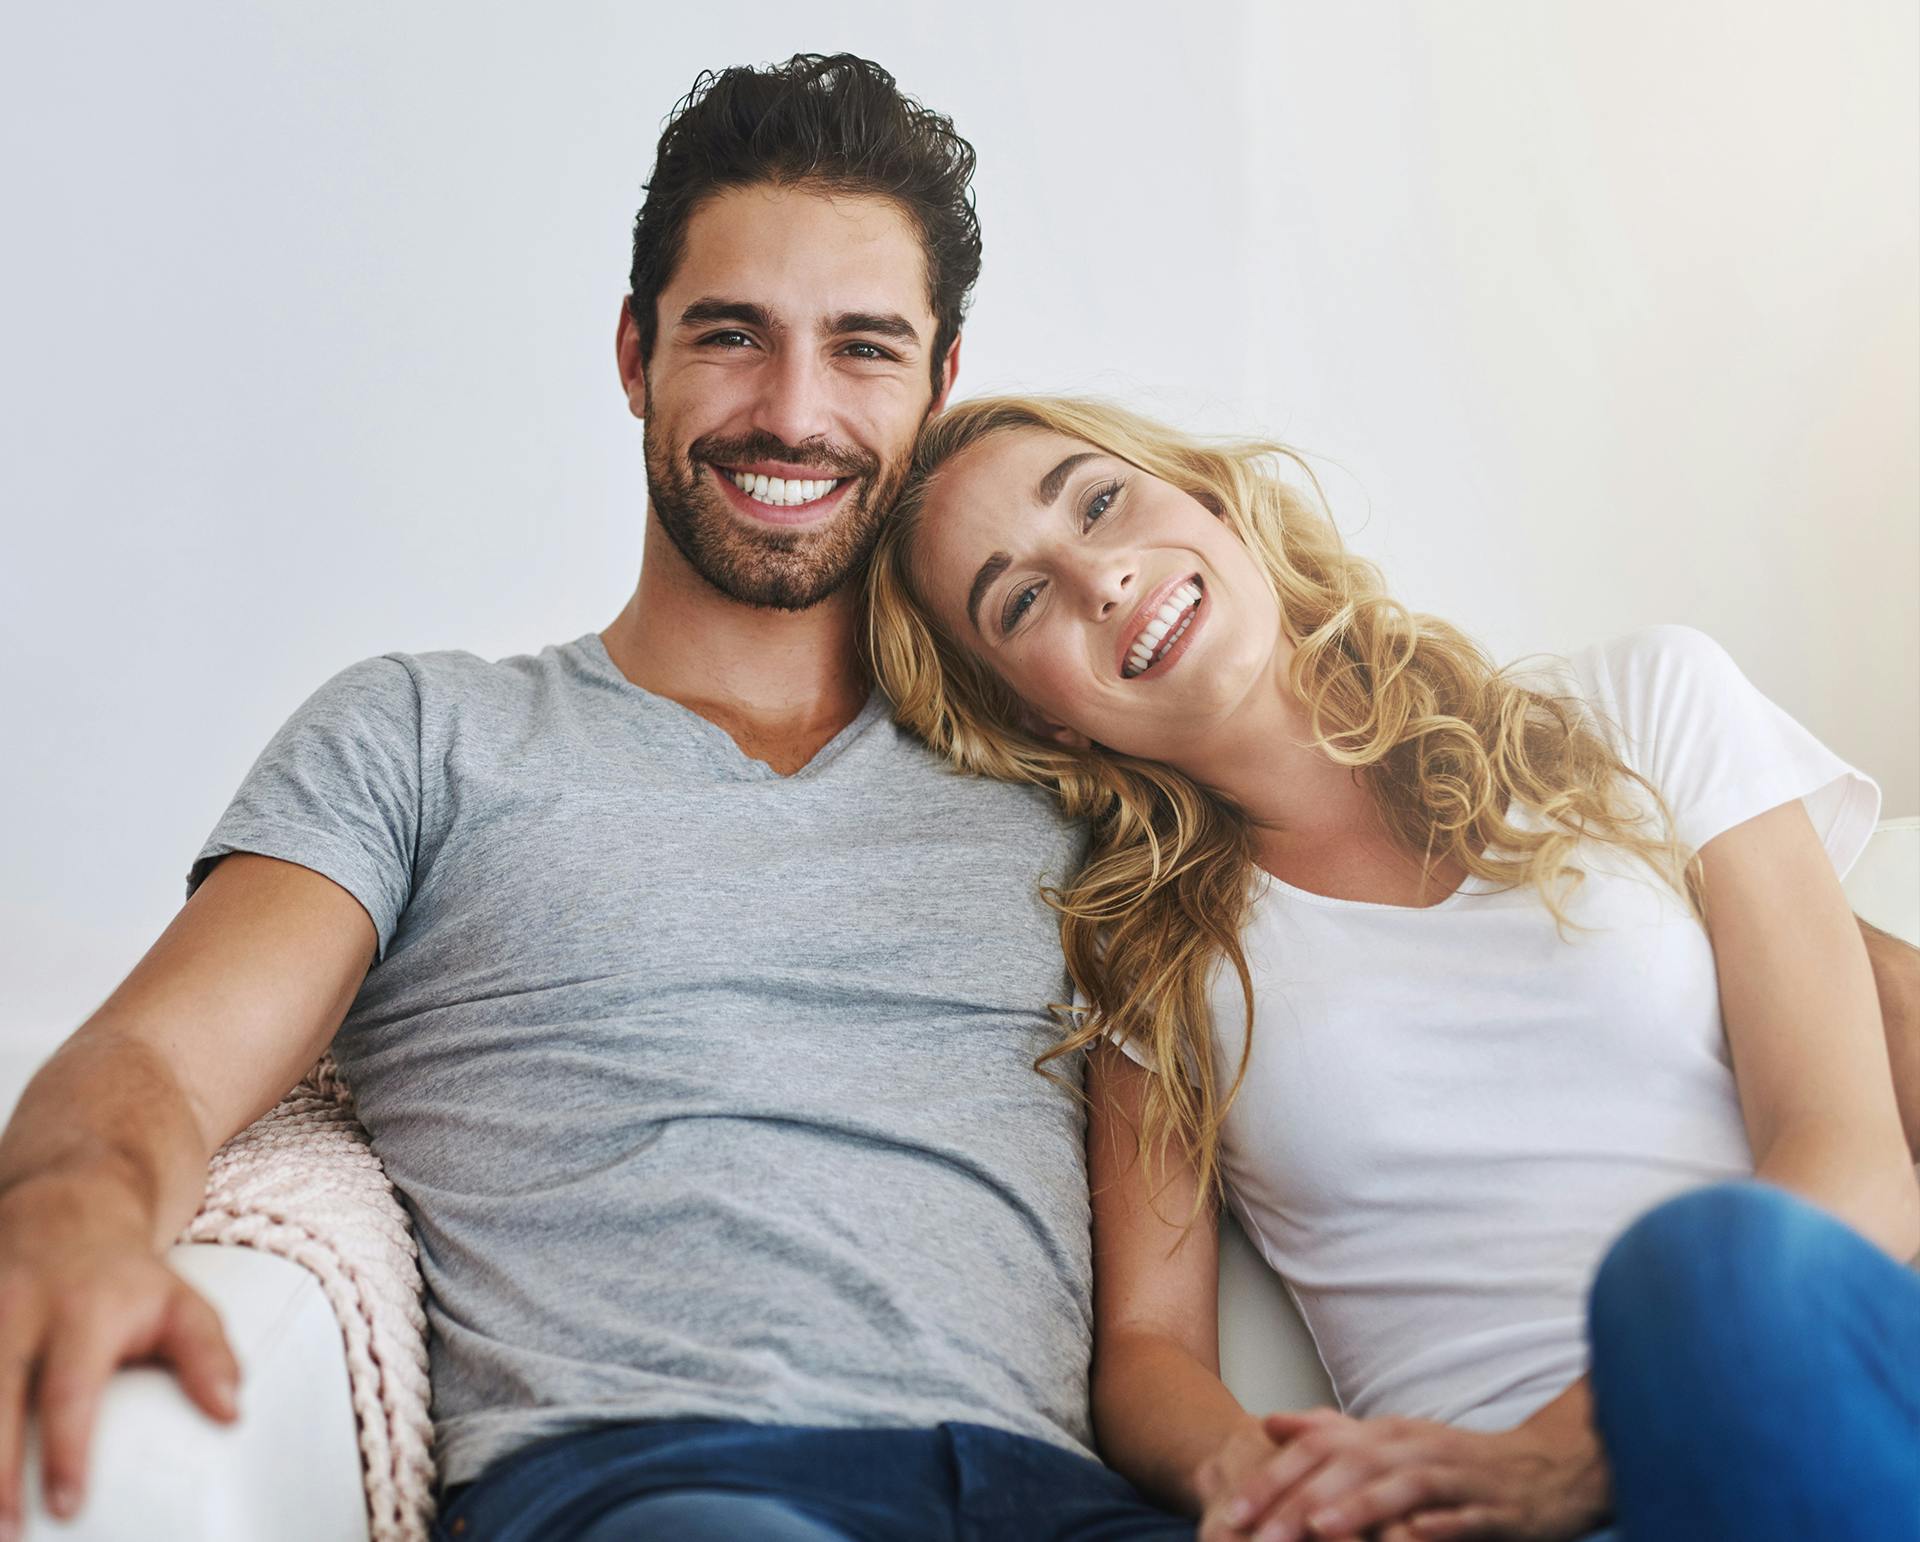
(9,1529)
(63,1500)
(1326,1520)
(1239,1513)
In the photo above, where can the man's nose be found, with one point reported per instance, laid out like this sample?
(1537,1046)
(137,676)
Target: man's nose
(794,402)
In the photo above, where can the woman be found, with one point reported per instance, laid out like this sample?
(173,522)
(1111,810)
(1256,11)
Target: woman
(1444,976)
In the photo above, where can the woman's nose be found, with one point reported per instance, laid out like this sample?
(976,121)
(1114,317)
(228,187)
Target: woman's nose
(1113,588)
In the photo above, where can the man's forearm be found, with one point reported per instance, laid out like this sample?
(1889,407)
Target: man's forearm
(1896,978)
(105,1123)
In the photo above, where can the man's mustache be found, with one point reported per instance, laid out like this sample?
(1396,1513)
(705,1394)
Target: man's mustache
(814,454)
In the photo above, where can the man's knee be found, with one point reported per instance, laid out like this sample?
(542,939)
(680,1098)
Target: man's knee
(702,1515)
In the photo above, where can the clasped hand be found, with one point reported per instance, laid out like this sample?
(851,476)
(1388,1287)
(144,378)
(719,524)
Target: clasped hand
(1326,1476)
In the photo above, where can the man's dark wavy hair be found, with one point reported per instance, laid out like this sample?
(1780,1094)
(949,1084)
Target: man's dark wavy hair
(835,122)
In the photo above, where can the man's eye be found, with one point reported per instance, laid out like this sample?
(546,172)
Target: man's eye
(728,339)
(1101,501)
(867,351)
(1017,607)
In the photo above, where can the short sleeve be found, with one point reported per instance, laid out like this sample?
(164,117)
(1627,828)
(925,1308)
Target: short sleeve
(337,790)
(1133,1050)
(1719,751)
(1082,1006)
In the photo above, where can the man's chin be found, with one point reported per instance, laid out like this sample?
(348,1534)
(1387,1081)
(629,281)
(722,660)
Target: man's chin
(789,593)
(771,567)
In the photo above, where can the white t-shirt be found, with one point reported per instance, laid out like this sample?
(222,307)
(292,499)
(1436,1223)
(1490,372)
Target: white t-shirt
(1450,1112)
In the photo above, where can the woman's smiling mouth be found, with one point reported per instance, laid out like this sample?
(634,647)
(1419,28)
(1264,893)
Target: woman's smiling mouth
(1164,626)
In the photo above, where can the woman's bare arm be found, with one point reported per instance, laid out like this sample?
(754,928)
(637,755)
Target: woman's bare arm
(1804,1025)
(1160,1409)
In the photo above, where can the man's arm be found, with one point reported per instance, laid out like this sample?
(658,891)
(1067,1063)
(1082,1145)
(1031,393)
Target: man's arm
(106,1156)
(1896,977)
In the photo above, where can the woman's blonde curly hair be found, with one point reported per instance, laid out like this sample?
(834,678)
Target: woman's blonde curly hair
(1468,767)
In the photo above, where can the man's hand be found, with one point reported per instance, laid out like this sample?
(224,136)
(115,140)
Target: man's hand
(1411,1480)
(81,1294)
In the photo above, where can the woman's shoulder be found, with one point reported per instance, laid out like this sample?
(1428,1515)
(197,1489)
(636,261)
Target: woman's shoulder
(1647,682)
(1683,714)
(1651,655)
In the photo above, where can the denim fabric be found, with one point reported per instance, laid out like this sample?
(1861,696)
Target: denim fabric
(695,1480)
(1756,1375)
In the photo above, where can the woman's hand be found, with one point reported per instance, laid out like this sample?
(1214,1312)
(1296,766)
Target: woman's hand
(1227,1474)
(1408,1480)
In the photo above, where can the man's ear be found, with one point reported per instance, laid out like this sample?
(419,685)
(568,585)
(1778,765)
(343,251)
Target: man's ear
(949,368)
(626,354)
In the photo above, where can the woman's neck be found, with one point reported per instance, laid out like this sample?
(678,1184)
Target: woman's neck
(1316,823)
(1261,757)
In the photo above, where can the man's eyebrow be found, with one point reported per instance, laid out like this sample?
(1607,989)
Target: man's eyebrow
(704,312)
(991,569)
(880,323)
(1054,480)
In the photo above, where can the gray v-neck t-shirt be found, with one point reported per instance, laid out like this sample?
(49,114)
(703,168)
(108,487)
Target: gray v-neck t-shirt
(710,1091)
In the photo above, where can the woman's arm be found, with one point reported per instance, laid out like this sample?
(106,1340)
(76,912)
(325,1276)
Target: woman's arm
(1160,1410)
(1803,1023)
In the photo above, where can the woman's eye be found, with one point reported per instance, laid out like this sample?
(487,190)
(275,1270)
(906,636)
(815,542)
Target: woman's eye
(1017,607)
(1099,503)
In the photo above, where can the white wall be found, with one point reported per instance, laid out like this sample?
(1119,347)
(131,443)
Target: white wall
(1611,312)
(1609,317)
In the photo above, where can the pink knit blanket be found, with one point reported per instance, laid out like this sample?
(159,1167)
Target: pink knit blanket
(303,1182)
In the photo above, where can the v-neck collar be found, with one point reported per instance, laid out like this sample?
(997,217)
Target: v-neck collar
(594,651)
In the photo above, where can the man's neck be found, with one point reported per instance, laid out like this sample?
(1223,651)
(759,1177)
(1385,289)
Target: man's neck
(781,683)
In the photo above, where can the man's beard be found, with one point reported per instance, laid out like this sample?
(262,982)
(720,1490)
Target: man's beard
(776,567)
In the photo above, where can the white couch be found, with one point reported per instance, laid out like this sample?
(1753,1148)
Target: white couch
(289,1469)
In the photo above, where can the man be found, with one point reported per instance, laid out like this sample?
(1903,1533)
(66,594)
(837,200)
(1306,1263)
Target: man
(691,1007)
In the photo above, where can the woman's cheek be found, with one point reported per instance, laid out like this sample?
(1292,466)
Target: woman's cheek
(1063,689)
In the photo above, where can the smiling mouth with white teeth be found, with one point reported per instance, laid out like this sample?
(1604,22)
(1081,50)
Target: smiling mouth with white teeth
(1164,628)
(779,493)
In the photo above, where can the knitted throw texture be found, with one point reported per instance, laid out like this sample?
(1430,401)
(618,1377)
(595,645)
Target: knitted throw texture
(303,1182)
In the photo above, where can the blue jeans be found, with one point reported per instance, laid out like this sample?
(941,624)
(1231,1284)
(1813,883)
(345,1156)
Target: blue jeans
(1756,1375)
(721,1481)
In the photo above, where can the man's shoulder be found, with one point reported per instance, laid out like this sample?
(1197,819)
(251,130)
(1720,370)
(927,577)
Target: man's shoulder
(457,675)
(983,805)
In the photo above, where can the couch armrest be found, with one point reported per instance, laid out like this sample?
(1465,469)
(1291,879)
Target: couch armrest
(1884,886)
(289,1468)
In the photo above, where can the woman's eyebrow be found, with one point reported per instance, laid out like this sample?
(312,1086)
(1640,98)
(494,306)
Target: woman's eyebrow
(1047,490)
(991,569)
(1054,480)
